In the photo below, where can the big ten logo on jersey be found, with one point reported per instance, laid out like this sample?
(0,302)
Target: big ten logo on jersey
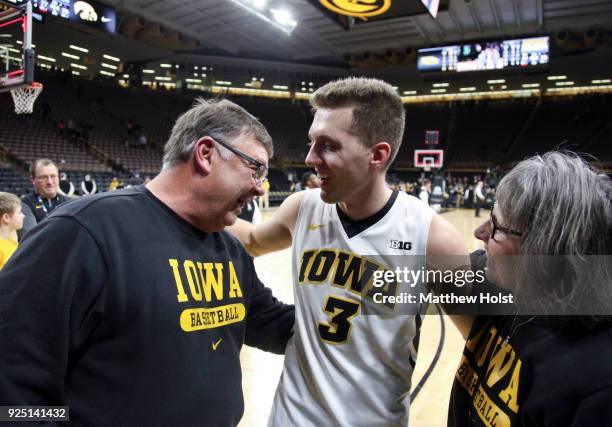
(208,283)
(398,244)
(342,270)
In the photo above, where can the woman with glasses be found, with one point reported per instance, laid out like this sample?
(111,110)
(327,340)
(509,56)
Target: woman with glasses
(548,362)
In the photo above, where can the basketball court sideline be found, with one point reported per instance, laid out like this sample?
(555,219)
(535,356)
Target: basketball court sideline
(261,370)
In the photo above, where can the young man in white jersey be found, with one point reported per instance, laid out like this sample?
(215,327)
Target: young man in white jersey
(343,367)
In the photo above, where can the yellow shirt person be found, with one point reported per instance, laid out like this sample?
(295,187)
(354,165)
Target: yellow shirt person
(11,220)
(7,247)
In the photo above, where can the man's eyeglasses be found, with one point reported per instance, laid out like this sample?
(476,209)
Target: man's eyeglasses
(260,171)
(496,227)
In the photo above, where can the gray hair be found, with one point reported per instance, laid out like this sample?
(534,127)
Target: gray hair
(562,205)
(378,113)
(219,119)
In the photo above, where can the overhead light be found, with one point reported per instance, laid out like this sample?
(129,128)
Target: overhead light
(71,56)
(504,87)
(282,87)
(410,92)
(204,68)
(598,82)
(203,74)
(45,58)
(106,73)
(438,90)
(259,4)
(528,85)
(467,89)
(310,84)
(163,79)
(279,18)
(492,82)
(80,49)
(148,71)
(440,85)
(165,65)
(12,49)
(283,17)
(223,83)
(564,83)
(193,80)
(111,58)
(556,77)
(76,73)
(112,67)
(82,67)
(126,76)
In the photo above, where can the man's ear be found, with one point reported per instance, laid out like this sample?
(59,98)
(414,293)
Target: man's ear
(202,155)
(381,151)
(5,218)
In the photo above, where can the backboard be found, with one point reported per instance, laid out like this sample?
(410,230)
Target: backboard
(428,159)
(16,53)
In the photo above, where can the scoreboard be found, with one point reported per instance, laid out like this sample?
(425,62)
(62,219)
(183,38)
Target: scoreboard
(89,12)
(495,55)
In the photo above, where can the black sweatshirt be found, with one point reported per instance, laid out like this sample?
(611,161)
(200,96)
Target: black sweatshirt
(120,309)
(525,371)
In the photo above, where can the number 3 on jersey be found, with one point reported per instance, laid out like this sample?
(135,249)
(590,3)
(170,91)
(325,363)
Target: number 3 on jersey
(341,312)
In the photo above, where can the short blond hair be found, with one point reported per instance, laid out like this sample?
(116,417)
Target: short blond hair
(378,113)
(8,203)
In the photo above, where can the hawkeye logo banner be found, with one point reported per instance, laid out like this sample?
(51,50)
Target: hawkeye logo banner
(354,13)
(357,8)
(207,282)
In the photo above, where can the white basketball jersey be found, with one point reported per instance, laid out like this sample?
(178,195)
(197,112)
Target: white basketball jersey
(342,367)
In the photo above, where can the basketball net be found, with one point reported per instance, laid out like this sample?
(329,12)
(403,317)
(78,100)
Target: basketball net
(25,96)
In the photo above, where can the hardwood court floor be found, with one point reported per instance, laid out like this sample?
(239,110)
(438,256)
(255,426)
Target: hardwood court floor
(261,370)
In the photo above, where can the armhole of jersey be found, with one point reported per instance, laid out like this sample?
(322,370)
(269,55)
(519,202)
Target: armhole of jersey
(298,220)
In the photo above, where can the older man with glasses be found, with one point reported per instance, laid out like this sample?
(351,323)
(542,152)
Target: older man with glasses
(46,197)
(131,307)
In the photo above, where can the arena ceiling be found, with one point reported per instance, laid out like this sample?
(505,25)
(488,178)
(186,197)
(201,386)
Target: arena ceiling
(224,28)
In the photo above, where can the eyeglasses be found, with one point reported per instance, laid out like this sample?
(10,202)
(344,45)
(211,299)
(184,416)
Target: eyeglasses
(260,171)
(496,227)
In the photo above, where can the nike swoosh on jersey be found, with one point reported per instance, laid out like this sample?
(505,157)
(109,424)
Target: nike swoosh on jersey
(313,227)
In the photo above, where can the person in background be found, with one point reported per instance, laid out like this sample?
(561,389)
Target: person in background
(425,191)
(36,206)
(11,220)
(264,199)
(310,181)
(479,197)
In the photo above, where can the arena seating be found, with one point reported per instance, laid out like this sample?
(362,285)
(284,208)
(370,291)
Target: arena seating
(474,134)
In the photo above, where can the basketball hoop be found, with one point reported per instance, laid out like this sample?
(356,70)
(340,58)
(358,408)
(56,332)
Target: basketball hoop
(25,96)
